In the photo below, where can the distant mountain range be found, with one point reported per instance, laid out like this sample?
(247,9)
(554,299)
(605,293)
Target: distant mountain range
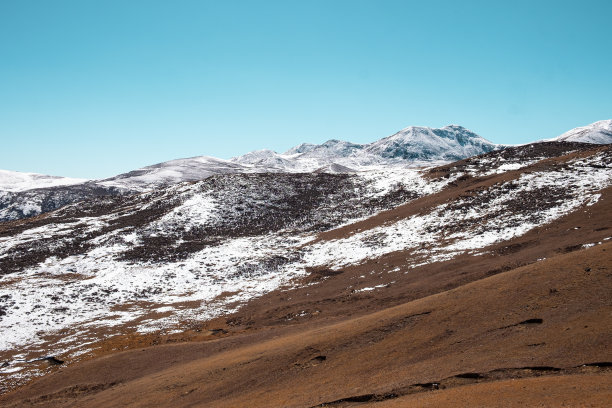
(410,145)
(28,194)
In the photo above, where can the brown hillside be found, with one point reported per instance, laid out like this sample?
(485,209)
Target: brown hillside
(545,319)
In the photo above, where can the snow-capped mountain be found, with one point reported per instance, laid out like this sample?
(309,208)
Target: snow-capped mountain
(403,148)
(449,143)
(597,133)
(411,145)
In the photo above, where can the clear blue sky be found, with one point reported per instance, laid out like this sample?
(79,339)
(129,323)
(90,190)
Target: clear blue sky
(95,88)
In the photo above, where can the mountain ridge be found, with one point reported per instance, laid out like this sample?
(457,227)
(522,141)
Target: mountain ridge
(333,156)
(411,144)
(599,132)
(27,194)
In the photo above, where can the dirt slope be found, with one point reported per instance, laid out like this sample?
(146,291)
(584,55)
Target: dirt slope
(558,391)
(549,318)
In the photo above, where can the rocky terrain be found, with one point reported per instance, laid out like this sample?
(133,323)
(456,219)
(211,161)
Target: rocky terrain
(384,286)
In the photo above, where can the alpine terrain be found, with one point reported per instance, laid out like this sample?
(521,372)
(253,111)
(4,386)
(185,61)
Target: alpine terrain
(25,194)
(428,268)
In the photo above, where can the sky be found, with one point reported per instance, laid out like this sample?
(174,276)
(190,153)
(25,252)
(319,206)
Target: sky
(96,88)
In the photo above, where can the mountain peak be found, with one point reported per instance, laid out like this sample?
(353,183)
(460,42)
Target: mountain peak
(452,142)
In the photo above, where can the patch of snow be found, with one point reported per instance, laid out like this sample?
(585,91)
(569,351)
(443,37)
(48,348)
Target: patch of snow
(368,289)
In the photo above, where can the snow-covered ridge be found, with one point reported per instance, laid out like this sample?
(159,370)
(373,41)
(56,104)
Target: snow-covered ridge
(171,172)
(15,181)
(486,219)
(25,195)
(597,133)
(29,196)
(414,145)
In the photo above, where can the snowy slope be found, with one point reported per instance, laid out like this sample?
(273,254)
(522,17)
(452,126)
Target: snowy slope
(187,242)
(598,133)
(266,160)
(171,172)
(15,181)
